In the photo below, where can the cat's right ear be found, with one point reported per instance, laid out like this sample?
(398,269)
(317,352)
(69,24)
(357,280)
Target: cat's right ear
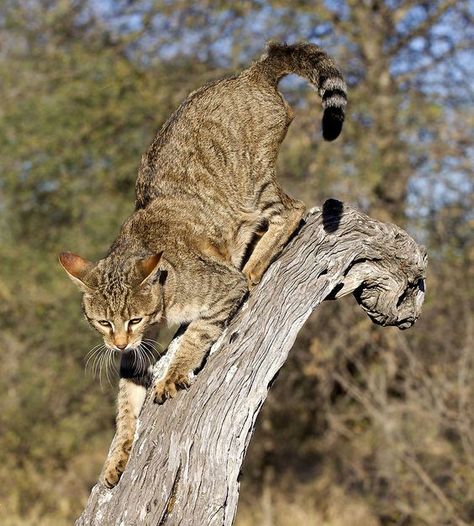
(76,268)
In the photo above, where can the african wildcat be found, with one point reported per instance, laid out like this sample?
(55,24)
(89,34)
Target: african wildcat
(205,189)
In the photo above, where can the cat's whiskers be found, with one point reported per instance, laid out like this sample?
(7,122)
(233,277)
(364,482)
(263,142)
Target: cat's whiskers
(149,354)
(144,361)
(97,348)
(94,348)
(102,359)
(134,357)
(91,358)
(151,345)
(93,355)
(101,364)
(152,342)
(113,363)
(108,364)
(96,364)
(147,347)
(140,359)
(145,357)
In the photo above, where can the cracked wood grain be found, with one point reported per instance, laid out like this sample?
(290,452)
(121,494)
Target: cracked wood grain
(186,459)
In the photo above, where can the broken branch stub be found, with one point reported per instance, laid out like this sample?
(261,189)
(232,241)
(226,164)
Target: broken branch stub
(186,459)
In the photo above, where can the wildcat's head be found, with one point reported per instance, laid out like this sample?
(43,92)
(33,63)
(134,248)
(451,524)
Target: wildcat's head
(121,299)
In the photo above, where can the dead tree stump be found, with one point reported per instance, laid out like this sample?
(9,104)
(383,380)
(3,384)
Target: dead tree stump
(187,456)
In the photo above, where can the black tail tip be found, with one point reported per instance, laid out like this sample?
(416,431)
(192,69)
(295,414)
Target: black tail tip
(333,118)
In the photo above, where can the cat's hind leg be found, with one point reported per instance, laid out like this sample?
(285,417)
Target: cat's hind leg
(130,401)
(283,216)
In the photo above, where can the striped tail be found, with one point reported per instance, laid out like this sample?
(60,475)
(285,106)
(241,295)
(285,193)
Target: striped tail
(312,63)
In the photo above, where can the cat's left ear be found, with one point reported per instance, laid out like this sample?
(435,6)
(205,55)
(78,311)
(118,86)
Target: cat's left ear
(76,268)
(149,268)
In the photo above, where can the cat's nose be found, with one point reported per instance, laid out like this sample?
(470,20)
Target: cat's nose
(121,346)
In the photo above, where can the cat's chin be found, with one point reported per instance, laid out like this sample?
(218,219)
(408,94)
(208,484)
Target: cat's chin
(114,349)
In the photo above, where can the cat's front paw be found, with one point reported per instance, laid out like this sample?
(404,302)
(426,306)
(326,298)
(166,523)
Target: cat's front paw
(168,387)
(115,466)
(111,475)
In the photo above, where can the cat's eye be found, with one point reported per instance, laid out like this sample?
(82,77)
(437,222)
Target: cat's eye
(135,321)
(105,323)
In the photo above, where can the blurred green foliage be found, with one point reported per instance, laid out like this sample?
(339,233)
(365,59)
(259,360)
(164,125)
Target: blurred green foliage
(364,424)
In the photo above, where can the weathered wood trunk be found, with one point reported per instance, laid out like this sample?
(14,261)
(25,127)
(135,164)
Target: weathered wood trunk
(188,453)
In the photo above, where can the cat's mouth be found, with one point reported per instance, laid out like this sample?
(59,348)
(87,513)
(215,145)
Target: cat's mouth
(125,347)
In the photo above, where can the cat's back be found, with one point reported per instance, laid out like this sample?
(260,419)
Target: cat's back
(213,141)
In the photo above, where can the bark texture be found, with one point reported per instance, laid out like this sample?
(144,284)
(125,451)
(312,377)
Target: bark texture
(186,459)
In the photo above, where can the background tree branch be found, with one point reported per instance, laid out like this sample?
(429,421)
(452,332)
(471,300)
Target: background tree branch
(187,457)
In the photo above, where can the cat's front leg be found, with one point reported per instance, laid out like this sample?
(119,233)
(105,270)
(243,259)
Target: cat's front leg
(130,401)
(193,346)
(199,336)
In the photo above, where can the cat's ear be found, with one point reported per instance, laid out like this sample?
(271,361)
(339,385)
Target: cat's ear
(76,268)
(149,267)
